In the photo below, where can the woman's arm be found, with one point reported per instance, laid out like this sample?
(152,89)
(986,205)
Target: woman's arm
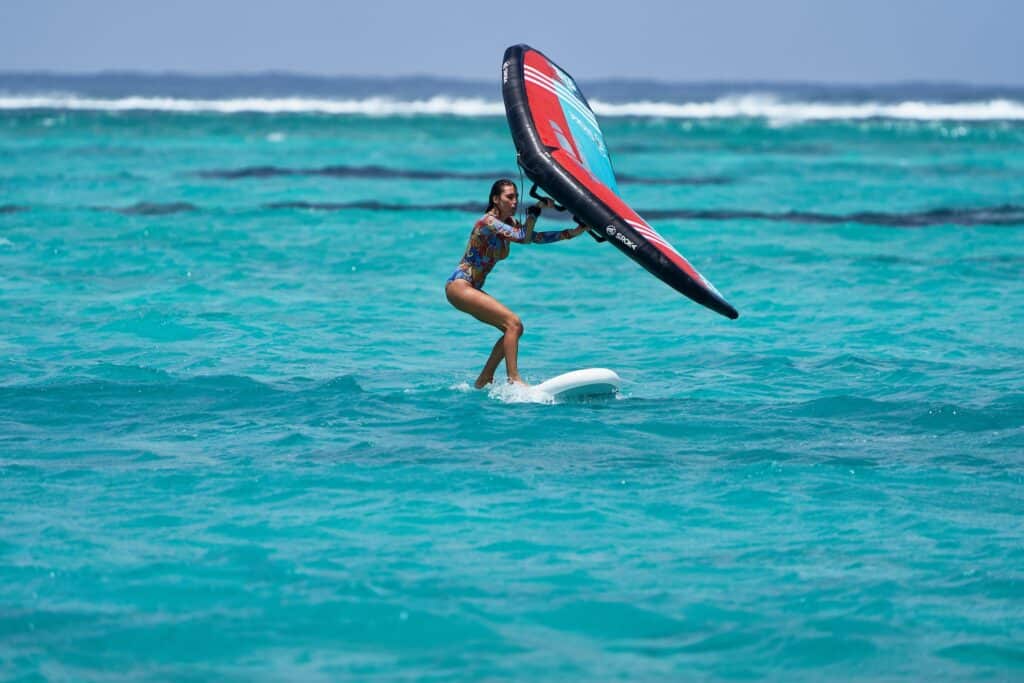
(549,237)
(531,221)
(510,232)
(532,214)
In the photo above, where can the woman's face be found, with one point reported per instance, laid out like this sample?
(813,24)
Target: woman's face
(506,200)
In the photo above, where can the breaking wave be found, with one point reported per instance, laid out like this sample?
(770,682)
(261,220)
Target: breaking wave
(727,107)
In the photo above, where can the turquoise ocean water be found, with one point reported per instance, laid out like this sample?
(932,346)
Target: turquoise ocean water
(237,438)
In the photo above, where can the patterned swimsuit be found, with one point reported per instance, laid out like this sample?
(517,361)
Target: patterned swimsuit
(489,243)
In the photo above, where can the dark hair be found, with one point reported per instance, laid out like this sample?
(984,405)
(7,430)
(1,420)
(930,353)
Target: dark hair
(496,189)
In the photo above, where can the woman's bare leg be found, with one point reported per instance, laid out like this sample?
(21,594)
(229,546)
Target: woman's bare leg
(486,308)
(497,355)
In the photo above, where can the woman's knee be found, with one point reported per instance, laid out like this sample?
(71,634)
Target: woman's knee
(515,326)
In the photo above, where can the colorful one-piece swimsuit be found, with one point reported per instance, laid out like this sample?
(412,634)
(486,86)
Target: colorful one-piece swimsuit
(489,243)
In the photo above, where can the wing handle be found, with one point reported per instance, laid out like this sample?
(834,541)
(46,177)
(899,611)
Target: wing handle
(537,195)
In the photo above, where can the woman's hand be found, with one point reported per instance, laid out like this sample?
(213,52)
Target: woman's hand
(541,204)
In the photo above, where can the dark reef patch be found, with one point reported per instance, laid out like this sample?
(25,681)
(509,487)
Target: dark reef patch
(1003,215)
(151,208)
(385,173)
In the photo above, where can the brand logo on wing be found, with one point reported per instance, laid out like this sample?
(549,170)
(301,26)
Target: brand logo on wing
(612,232)
(504,72)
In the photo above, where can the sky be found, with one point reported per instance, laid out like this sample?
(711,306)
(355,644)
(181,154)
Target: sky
(832,41)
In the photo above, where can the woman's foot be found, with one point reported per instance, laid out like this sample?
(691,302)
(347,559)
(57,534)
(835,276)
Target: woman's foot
(518,380)
(482,381)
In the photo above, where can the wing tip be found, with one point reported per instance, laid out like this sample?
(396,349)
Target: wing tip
(724,308)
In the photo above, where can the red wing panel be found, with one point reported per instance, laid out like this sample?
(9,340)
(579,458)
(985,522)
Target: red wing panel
(546,110)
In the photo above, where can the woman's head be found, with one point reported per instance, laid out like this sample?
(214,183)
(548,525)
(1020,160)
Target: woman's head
(504,197)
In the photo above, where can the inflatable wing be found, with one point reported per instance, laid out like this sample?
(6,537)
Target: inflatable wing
(561,149)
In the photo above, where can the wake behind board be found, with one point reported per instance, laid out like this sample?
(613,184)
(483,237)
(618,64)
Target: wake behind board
(587,383)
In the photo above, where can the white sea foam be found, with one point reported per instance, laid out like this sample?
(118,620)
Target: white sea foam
(517,393)
(770,107)
(371,106)
(745,106)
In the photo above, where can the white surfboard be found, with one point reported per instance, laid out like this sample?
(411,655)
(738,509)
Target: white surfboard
(582,384)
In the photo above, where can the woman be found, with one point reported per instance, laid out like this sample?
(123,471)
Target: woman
(488,244)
